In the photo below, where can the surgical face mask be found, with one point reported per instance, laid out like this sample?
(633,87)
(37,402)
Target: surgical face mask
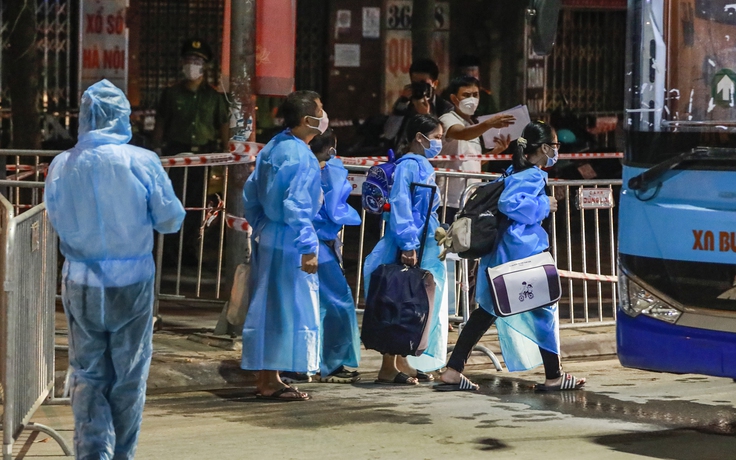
(469,105)
(192,71)
(435,145)
(332,152)
(324,123)
(551,161)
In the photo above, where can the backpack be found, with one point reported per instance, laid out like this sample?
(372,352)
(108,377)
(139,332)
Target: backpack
(377,186)
(479,224)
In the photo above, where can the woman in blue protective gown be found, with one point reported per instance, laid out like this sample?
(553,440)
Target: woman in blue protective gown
(339,325)
(405,223)
(531,338)
(281,199)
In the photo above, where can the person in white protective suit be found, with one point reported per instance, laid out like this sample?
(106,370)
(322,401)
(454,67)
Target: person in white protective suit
(105,199)
(281,198)
(405,223)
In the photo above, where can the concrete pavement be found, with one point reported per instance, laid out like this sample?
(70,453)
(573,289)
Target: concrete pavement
(184,358)
(622,414)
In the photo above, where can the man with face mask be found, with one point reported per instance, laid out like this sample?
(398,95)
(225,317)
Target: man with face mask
(281,199)
(418,97)
(469,65)
(462,137)
(191,117)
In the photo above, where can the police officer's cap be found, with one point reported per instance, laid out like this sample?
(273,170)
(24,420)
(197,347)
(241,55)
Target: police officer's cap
(196,47)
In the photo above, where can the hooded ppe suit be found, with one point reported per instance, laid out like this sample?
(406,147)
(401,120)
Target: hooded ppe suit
(526,205)
(340,336)
(282,197)
(104,199)
(403,233)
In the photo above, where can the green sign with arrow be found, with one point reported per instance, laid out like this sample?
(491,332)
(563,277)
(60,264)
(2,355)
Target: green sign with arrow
(723,88)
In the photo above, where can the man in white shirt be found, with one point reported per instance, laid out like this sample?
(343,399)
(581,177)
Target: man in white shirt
(462,137)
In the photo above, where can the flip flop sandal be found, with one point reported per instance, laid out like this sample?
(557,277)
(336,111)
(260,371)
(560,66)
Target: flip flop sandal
(424,377)
(277,395)
(400,379)
(464,385)
(569,382)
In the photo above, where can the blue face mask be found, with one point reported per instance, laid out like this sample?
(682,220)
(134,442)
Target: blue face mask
(551,161)
(435,145)
(333,152)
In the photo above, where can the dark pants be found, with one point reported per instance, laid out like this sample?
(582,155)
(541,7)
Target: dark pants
(478,323)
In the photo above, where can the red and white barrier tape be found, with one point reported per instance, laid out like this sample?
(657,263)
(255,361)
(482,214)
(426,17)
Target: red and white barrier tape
(563,156)
(206,159)
(238,224)
(587,276)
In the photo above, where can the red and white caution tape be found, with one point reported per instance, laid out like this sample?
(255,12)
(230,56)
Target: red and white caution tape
(587,276)
(206,159)
(238,224)
(563,156)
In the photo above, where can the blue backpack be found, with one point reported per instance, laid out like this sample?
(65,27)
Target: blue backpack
(377,186)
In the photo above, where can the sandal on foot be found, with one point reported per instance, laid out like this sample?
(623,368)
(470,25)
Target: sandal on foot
(400,379)
(278,395)
(341,375)
(464,385)
(424,377)
(569,382)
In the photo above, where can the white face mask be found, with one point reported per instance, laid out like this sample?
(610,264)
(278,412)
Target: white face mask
(551,161)
(192,71)
(469,105)
(324,123)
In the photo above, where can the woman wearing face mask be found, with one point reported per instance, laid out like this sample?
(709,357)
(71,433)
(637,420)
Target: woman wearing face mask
(531,338)
(405,223)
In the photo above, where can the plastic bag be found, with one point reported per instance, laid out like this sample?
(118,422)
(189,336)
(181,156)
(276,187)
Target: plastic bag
(237,308)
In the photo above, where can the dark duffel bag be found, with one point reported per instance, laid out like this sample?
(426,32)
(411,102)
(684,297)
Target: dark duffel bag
(400,304)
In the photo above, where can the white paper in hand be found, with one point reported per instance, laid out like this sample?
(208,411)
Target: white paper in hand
(520,112)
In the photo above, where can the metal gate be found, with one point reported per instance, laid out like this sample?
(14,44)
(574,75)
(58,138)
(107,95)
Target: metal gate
(27,309)
(54,45)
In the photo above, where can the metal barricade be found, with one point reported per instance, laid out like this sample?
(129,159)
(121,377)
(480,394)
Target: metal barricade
(27,310)
(582,239)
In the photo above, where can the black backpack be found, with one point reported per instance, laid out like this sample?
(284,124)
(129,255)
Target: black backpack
(479,224)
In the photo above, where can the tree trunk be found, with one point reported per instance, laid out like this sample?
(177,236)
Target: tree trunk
(23,79)
(422,29)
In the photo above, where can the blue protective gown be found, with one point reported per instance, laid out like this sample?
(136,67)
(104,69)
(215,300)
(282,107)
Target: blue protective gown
(525,203)
(403,232)
(340,336)
(105,198)
(282,197)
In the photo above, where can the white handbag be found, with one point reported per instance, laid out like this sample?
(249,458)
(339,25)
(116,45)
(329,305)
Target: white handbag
(524,284)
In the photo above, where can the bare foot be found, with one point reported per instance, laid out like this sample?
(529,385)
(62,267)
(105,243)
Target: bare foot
(450,376)
(558,382)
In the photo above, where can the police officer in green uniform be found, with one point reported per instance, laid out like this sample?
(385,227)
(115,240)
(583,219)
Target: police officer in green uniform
(191,117)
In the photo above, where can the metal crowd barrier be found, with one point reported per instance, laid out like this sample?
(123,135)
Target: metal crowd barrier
(28,267)
(582,237)
(582,240)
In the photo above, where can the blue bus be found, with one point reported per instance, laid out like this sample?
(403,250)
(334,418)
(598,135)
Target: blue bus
(677,216)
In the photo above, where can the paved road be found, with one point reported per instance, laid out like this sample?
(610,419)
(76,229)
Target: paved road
(622,414)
